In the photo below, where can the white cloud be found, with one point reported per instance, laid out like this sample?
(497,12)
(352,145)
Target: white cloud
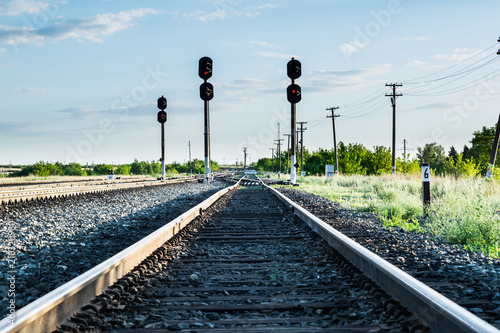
(324,80)
(419,38)
(90,29)
(218,15)
(458,55)
(415,63)
(268,5)
(31,91)
(243,86)
(266,54)
(18,7)
(351,47)
(264,44)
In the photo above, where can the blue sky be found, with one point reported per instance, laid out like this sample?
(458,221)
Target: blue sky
(80,79)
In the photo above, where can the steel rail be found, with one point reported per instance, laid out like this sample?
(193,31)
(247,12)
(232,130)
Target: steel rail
(437,312)
(24,194)
(49,311)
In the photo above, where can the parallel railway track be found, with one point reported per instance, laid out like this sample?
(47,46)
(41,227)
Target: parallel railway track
(25,192)
(246,265)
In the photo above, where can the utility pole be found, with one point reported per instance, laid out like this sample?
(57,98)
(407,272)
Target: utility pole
(278,151)
(287,152)
(244,158)
(272,159)
(190,165)
(393,96)
(302,129)
(404,149)
(333,116)
(494,148)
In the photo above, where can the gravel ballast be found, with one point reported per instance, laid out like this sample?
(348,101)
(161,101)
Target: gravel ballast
(469,278)
(60,239)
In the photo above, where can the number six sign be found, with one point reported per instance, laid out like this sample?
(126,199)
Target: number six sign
(426,187)
(425,172)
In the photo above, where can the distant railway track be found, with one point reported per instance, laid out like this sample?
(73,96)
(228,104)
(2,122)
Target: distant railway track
(46,190)
(247,264)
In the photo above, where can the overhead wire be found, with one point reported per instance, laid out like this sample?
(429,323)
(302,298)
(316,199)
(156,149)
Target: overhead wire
(413,81)
(375,101)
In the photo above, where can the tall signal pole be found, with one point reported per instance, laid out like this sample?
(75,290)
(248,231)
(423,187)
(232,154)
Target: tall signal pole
(333,116)
(293,95)
(162,118)
(206,94)
(302,129)
(287,152)
(393,101)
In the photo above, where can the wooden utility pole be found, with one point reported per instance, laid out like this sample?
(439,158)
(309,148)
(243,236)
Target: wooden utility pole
(272,158)
(333,116)
(393,96)
(494,149)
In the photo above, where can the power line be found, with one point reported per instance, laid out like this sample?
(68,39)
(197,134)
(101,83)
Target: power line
(447,68)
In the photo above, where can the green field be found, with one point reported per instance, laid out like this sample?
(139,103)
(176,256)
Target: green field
(464,211)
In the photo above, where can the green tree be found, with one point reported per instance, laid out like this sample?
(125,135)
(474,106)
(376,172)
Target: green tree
(318,160)
(379,161)
(352,158)
(482,141)
(433,154)
(263,164)
(408,167)
(461,168)
(102,169)
(453,153)
(73,169)
(123,169)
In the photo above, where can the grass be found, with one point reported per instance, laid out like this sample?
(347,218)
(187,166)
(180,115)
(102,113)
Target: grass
(464,211)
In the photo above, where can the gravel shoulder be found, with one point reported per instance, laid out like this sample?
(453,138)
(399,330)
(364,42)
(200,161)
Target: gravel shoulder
(468,278)
(60,239)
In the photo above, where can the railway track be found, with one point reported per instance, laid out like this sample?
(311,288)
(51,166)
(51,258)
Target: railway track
(25,192)
(247,264)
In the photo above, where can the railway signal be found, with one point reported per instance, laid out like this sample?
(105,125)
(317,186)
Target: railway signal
(162,103)
(293,69)
(205,68)
(206,94)
(294,95)
(206,91)
(162,118)
(111,174)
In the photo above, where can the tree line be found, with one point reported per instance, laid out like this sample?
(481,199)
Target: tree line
(152,168)
(354,158)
